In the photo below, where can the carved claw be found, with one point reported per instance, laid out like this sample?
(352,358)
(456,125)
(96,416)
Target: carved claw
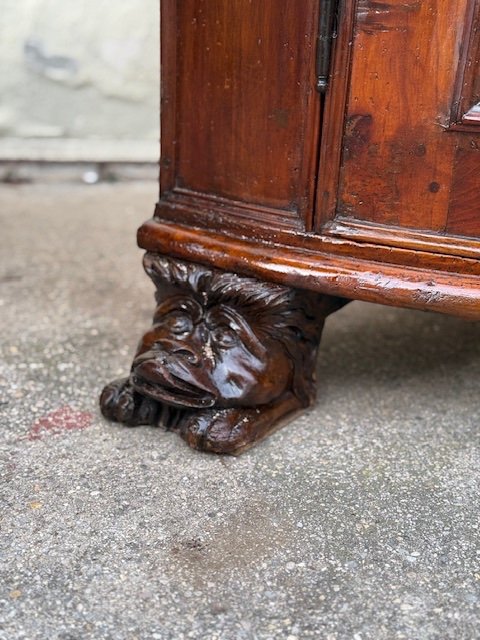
(231,431)
(221,431)
(121,403)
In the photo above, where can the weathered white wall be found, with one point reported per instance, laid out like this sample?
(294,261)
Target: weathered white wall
(79,70)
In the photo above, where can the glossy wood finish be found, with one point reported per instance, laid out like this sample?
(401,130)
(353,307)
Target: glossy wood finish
(397,188)
(465,115)
(327,272)
(226,359)
(400,165)
(464,212)
(240,114)
(278,204)
(333,116)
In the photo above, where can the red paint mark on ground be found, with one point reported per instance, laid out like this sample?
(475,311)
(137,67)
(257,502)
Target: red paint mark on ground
(59,421)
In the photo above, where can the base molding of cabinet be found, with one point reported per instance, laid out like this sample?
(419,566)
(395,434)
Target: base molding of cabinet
(416,240)
(334,275)
(228,359)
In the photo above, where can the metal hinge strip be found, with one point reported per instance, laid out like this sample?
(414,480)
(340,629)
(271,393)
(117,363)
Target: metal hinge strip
(327,31)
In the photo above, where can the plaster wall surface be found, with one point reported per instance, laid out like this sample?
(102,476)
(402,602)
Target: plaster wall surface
(79,71)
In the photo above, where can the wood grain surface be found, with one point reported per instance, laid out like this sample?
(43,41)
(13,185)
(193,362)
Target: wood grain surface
(375,180)
(240,114)
(398,158)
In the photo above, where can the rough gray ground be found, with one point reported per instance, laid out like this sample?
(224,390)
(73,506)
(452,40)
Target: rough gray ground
(358,521)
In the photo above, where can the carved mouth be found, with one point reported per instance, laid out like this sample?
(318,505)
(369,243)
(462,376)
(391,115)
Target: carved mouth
(173,391)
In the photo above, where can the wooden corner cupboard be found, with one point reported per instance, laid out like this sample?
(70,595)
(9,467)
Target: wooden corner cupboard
(313,152)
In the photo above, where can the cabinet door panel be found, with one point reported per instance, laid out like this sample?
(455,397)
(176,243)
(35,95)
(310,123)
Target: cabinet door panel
(240,114)
(400,155)
(464,212)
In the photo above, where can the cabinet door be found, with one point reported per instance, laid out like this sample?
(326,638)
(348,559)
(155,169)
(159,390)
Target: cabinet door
(404,164)
(240,114)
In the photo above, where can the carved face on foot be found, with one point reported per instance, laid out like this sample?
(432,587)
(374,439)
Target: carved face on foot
(237,353)
(204,355)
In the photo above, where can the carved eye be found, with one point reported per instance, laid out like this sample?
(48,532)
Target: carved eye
(178,323)
(224,337)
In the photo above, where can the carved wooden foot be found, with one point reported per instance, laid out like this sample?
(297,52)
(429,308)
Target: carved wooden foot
(236,429)
(228,358)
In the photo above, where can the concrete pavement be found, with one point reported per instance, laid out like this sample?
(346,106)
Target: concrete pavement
(359,521)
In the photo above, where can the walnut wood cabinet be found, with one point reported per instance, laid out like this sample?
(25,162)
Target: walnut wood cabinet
(320,150)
